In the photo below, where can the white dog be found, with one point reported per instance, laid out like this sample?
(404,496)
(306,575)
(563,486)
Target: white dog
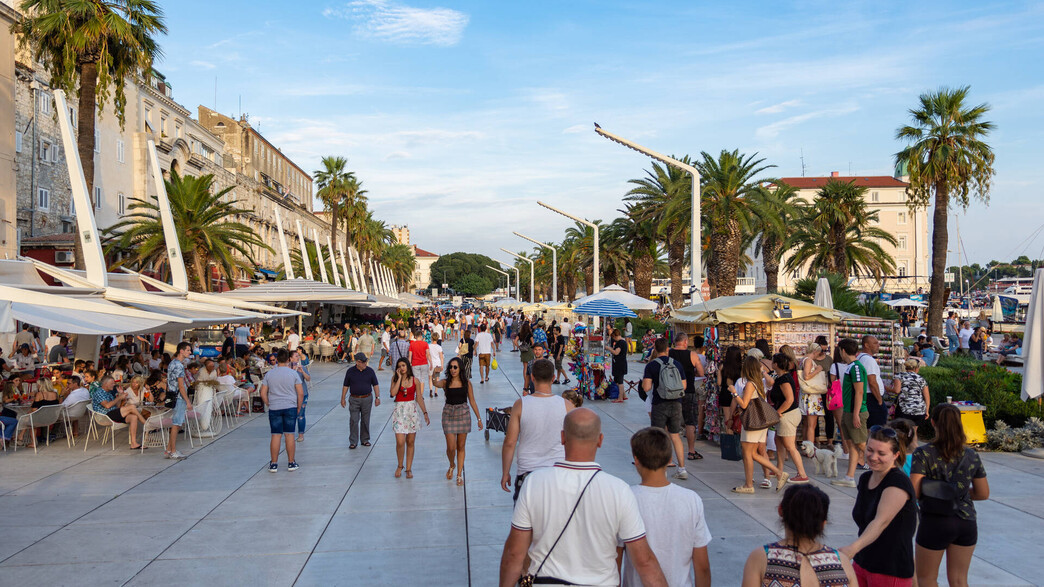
(826,460)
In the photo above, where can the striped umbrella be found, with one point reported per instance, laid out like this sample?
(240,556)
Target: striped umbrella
(605,308)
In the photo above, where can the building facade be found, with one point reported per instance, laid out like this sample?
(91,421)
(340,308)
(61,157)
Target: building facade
(8,199)
(402,233)
(885,195)
(422,271)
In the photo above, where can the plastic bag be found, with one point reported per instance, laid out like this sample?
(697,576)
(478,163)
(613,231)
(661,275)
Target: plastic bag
(493,364)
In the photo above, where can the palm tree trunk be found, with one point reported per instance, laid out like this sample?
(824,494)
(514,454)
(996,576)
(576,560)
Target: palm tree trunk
(770,253)
(588,280)
(643,273)
(335,211)
(940,241)
(198,273)
(675,261)
(730,244)
(837,233)
(85,141)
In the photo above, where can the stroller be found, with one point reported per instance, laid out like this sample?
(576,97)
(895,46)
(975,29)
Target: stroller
(497,419)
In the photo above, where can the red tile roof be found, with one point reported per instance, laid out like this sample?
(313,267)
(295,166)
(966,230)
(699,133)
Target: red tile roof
(419,252)
(872,181)
(57,238)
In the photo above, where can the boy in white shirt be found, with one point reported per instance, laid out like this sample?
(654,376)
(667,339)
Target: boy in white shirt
(674,522)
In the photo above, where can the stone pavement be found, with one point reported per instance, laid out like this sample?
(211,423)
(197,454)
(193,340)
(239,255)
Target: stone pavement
(219,517)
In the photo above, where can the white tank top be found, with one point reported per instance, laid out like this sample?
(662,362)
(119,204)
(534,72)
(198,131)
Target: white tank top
(540,432)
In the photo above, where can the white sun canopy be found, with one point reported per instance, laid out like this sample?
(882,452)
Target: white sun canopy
(300,290)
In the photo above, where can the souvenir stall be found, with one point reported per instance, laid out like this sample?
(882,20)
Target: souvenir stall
(590,359)
(891,354)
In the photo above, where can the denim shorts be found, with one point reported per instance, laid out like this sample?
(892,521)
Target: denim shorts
(282,421)
(178,417)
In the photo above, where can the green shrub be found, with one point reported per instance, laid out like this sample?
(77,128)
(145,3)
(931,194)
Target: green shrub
(998,390)
(641,325)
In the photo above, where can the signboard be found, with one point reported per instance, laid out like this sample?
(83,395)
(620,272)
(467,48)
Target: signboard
(705,290)
(949,277)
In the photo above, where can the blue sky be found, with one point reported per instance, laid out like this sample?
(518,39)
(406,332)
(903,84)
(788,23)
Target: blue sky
(458,116)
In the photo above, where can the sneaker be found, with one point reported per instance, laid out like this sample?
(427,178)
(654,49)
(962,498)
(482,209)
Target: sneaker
(844,482)
(175,455)
(799,479)
(863,467)
(765,484)
(273,467)
(682,475)
(292,466)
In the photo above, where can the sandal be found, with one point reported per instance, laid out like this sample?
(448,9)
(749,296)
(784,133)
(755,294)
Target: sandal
(460,480)
(744,490)
(367,443)
(691,456)
(765,484)
(409,474)
(449,473)
(398,472)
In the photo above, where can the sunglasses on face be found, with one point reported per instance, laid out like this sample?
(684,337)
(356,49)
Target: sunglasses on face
(454,367)
(889,432)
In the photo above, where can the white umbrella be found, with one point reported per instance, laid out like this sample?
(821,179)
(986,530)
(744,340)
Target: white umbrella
(621,295)
(1033,342)
(824,297)
(998,311)
(906,303)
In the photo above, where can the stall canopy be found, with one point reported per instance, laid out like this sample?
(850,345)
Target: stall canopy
(740,309)
(413,298)
(906,303)
(604,308)
(507,303)
(621,296)
(300,290)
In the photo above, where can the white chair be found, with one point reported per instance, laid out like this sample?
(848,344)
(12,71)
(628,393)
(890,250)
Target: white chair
(156,422)
(3,436)
(222,400)
(193,416)
(326,352)
(41,418)
(102,420)
(72,413)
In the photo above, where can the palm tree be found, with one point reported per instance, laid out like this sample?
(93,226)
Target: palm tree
(332,183)
(639,232)
(313,260)
(726,182)
(582,250)
(615,257)
(664,196)
(94,47)
(371,238)
(354,208)
(205,231)
(837,234)
(400,260)
(947,159)
(569,268)
(777,205)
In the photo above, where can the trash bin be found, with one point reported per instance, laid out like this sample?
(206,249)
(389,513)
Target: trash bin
(971,421)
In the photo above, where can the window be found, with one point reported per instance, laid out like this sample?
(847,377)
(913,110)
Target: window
(901,242)
(875,197)
(148,119)
(903,269)
(43,100)
(97,197)
(43,199)
(901,218)
(97,141)
(119,151)
(18,141)
(121,204)
(177,131)
(163,125)
(48,152)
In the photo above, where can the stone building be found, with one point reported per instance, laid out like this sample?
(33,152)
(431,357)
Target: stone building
(8,200)
(402,233)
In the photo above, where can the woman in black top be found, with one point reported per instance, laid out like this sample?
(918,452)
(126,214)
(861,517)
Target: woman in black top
(885,513)
(956,532)
(456,421)
(783,397)
(466,350)
(729,374)
(618,349)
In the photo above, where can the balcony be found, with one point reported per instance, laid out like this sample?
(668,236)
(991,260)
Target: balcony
(745,285)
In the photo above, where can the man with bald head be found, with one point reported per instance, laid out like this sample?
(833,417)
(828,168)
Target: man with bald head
(570,517)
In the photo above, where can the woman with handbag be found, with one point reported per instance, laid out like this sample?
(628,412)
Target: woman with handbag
(783,398)
(813,381)
(758,415)
(947,477)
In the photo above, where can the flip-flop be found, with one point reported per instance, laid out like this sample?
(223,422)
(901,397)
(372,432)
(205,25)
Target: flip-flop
(367,443)
(398,472)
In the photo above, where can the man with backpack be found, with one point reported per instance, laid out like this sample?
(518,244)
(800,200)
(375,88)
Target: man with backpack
(664,380)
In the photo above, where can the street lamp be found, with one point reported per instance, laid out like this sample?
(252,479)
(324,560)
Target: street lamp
(554,264)
(593,227)
(696,269)
(510,266)
(531,271)
(505,273)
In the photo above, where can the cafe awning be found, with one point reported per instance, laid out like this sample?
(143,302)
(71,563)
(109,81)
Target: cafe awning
(741,309)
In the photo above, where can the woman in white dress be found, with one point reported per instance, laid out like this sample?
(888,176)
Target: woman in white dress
(408,395)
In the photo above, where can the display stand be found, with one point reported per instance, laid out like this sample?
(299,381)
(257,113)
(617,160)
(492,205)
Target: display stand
(886,331)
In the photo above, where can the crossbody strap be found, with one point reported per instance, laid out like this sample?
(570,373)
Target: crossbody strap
(570,519)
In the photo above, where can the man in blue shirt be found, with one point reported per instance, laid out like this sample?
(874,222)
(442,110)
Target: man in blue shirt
(177,385)
(362,382)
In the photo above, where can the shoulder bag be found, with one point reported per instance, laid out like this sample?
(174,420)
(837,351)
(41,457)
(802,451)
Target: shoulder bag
(528,579)
(939,496)
(759,414)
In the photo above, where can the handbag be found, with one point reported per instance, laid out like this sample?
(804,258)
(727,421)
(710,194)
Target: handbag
(759,414)
(939,497)
(730,447)
(528,579)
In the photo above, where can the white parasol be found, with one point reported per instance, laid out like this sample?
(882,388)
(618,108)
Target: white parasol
(998,311)
(906,303)
(1033,342)
(824,297)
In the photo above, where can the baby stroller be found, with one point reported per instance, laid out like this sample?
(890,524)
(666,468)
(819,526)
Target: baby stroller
(497,419)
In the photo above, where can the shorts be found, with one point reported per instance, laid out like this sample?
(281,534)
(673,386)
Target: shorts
(178,417)
(868,579)
(939,532)
(484,360)
(788,423)
(689,403)
(282,421)
(754,435)
(558,362)
(668,414)
(115,415)
(852,434)
(811,405)
(618,377)
(423,374)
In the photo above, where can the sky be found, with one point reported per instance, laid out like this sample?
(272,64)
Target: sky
(458,116)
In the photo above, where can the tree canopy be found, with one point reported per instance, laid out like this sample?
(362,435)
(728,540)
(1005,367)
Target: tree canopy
(460,269)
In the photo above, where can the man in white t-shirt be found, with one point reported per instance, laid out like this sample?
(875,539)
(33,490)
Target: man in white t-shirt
(385,347)
(51,342)
(292,340)
(877,410)
(484,349)
(964,337)
(606,513)
(673,515)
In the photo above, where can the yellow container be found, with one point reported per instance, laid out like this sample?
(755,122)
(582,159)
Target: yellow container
(971,420)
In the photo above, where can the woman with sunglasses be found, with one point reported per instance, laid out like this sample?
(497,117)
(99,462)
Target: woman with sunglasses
(886,514)
(408,394)
(456,421)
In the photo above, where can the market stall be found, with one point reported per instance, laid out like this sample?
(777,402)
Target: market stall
(587,347)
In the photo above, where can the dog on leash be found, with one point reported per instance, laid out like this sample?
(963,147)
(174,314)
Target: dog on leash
(826,460)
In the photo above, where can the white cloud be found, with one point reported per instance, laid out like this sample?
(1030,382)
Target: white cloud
(202,64)
(576,129)
(406,25)
(777,108)
(771,131)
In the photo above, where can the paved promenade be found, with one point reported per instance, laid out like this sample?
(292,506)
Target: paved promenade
(220,518)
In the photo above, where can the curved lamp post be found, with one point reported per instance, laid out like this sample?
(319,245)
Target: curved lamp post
(531,270)
(594,227)
(518,292)
(504,273)
(696,269)
(554,264)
